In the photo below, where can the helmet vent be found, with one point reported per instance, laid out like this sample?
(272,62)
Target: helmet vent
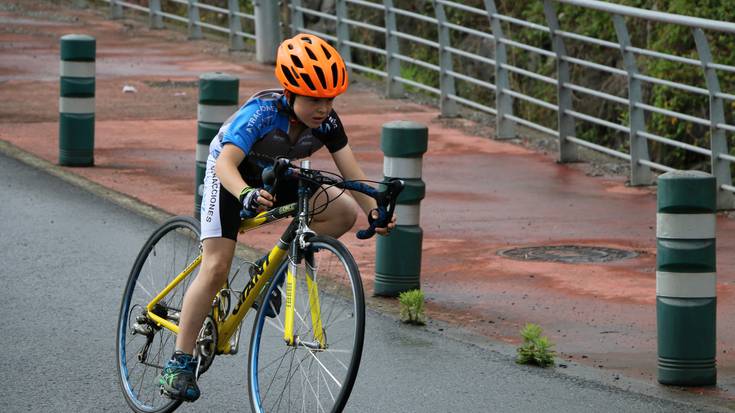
(320,75)
(334,74)
(306,39)
(295,59)
(326,52)
(310,53)
(344,77)
(289,76)
(308,81)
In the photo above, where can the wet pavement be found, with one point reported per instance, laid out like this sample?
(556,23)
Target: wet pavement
(483,196)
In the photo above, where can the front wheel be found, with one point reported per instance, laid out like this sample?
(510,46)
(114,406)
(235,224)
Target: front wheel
(317,372)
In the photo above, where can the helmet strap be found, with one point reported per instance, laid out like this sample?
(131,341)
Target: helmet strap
(291,99)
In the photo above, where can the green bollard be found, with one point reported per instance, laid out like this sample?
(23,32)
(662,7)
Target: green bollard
(76,101)
(686,281)
(218,99)
(398,255)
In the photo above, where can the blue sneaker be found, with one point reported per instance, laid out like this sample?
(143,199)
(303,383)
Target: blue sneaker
(178,380)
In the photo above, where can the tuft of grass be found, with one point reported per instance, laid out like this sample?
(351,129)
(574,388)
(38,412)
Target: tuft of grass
(536,349)
(412,307)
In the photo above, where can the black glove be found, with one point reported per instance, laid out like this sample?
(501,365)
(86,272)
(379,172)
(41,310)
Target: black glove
(249,200)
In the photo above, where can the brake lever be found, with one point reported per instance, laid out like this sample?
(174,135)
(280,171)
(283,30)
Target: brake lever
(270,177)
(386,207)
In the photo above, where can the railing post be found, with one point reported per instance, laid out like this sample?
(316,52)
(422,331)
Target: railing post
(267,30)
(718,139)
(446,81)
(76,101)
(297,17)
(639,174)
(686,278)
(195,31)
(236,42)
(392,65)
(155,20)
(505,128)
(398,255)
(218,100)
(343,33)
(116,11)
(566,122)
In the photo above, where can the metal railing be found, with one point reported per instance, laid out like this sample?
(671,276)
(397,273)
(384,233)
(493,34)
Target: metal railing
(569,118)
(492,90)
(192,18)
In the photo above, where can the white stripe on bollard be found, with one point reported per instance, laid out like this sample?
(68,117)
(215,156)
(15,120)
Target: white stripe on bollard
(202,153)
(408,214)
(686,285)
(214,113)
(685,226)
(76,69)
(406,168)
(76,105)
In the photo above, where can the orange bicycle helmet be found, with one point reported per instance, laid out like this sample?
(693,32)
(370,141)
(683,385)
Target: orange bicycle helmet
(307,65)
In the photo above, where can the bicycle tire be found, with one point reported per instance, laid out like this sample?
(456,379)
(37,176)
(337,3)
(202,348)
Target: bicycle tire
(326,375)
(171,247)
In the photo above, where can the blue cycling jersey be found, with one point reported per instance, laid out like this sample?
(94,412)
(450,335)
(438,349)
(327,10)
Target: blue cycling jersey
(260,129)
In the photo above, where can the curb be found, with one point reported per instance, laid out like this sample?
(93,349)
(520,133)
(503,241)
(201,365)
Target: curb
(133,204)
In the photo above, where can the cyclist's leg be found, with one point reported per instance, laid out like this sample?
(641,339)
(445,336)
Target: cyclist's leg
(337,217)
(220,219)
(178,379)
(217,257)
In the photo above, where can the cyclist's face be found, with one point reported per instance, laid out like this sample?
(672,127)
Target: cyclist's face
(312,111)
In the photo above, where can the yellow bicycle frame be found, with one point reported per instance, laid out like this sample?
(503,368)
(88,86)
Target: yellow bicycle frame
(227,327)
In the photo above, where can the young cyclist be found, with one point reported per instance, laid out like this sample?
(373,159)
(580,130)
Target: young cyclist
(293,122)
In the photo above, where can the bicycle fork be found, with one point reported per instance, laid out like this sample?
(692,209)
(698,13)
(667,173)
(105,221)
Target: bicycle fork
(291,339)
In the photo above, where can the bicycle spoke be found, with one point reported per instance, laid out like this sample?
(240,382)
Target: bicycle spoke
(307,381)
(336,359)
(326,369)
(287,385)
(326,384)
(277,370)
(349,317)
(144,290)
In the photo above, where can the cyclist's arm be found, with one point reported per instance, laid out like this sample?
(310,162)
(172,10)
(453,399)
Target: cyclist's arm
(351,171)
(226,169)
(227,172)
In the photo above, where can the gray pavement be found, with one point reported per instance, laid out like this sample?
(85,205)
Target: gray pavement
(65,257)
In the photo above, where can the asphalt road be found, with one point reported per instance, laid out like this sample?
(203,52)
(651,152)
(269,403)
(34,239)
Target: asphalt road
(66,254)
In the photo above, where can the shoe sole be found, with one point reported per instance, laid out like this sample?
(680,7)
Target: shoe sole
(174,397)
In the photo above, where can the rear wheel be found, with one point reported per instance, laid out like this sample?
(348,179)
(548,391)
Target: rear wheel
(143,347)
(312,375)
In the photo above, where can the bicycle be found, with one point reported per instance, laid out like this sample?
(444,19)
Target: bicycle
(307,357)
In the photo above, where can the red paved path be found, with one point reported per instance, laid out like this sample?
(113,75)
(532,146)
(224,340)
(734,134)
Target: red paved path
(482,195)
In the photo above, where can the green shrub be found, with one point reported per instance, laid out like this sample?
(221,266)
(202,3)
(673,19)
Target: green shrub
(536,349)
(412,307)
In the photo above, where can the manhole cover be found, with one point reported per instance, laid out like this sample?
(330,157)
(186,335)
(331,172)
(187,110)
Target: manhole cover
(572,254)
